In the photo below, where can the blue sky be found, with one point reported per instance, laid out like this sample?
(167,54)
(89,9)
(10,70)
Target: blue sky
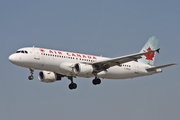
(108,28)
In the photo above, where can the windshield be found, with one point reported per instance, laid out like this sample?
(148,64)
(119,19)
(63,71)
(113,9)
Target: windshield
(22,51)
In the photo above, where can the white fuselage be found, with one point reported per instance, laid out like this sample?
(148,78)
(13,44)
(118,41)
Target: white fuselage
(62,63)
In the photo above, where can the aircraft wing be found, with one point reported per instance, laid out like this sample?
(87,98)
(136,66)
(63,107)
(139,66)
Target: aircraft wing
(105,64)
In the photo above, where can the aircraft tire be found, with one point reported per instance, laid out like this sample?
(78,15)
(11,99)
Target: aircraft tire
(30,77)
(72,86)
(96,81)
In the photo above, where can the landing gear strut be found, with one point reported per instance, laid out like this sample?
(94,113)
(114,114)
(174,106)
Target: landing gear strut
(72,85)
(31,76)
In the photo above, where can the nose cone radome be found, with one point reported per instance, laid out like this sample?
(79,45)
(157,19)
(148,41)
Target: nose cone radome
(12,58)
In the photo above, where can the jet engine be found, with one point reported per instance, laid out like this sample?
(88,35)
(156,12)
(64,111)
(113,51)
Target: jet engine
(84,70)
(48,76)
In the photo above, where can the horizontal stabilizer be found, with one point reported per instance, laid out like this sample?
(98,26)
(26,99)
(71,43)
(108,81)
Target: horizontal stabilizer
(157,50)
(162,66)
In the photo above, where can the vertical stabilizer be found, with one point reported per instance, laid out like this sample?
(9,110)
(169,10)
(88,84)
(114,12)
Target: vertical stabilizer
(150,45)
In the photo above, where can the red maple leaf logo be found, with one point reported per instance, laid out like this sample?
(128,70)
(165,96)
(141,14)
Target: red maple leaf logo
(42,50)
(149,56)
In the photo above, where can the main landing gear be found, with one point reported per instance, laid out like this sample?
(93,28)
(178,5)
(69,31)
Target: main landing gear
(96,81)
(31,76)
(72,85)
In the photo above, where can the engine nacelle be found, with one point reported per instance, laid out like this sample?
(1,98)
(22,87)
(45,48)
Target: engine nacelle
(84,70)
(48,77)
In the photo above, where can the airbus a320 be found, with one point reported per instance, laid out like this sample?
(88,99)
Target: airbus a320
(56,64)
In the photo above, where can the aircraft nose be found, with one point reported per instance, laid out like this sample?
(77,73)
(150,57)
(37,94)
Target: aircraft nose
(12,58)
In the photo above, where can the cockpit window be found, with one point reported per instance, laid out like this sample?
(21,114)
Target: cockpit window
(18,51)
(22,51)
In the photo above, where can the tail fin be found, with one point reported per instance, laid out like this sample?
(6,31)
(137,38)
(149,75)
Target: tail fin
(150,45)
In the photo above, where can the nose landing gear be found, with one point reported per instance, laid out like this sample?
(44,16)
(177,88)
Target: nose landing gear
(31,76)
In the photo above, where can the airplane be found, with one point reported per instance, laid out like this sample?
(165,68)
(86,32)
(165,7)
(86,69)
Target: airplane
(56,64)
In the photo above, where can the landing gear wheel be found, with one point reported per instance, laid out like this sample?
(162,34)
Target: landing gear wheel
(72,86)
(96,81)
(30,77)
